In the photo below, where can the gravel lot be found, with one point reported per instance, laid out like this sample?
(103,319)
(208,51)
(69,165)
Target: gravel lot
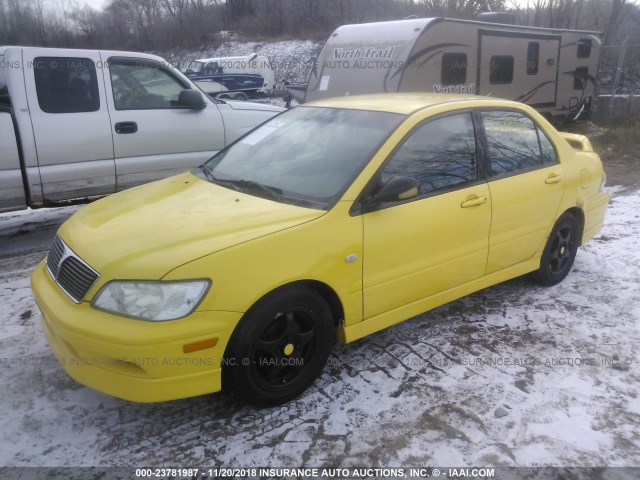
(515,375)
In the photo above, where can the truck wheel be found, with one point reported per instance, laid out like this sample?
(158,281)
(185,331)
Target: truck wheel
(559,252)
(241,97)
(279,347)
(224,96)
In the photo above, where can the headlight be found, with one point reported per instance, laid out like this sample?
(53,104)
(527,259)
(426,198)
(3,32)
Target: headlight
(154,301)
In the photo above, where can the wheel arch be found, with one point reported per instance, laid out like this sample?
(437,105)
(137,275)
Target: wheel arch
(579,215)
(325,291)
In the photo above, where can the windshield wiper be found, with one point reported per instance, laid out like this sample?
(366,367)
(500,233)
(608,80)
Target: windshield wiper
(240,185)
(207,171)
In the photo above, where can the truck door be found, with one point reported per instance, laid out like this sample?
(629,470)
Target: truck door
(153,136)
(70,120)
(519,66)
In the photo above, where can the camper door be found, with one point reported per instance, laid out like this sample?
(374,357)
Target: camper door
(519,66)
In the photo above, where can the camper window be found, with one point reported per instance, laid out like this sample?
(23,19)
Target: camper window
(501,69)
(438,155)
(454,69)
(584,48)
(533,58)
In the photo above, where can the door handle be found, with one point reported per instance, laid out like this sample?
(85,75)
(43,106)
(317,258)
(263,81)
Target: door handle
(553,178)
(474,202)
(126,127)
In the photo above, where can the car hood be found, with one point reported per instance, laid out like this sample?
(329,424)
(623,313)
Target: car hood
(145,232)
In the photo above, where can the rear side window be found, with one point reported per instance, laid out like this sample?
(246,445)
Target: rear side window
(533,58)
(501,69)
(66,84)
(547,151)
(454,69)
(584,48)
(439,155)
(513,143)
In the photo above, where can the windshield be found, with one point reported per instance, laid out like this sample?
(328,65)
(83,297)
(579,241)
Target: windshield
(195,67)
(307,156)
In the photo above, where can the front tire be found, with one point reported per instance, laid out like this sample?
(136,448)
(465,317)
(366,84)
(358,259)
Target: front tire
(559,252)
(279,347)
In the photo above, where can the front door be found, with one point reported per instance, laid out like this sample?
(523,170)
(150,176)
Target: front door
(439,239)
(153,136)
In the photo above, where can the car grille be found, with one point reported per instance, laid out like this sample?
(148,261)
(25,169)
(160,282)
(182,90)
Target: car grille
(71,274)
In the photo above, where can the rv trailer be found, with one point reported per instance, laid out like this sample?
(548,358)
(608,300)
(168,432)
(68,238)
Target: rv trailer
(552,70)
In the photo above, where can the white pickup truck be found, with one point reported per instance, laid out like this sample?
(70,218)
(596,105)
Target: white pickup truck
(82,123)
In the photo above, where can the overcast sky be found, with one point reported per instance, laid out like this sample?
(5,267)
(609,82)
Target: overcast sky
(97,4)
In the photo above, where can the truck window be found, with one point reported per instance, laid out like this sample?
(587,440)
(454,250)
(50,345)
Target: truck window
(140,84)
(584,48)
(533,58)
(66,84)
(4,91)
(501,69)
(454,69)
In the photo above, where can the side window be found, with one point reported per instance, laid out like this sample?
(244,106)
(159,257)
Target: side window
(501,69)
(454,69)
(66,84)
(440,154)
(580,78)
(546,149)
(584,48)
(533,58)
(513,142)
(143,85)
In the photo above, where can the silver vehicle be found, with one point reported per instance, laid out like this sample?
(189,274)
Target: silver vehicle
(551,70)
(81,123)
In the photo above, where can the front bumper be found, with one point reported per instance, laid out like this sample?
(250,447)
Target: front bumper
(132,359)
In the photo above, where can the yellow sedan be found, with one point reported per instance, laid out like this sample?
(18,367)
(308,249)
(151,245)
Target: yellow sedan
(329,222)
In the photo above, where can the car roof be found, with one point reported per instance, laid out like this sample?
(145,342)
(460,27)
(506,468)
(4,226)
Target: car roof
(406,103)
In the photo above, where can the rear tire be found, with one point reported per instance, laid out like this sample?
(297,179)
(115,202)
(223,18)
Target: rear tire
(559,252)
(241,97)
(280,347)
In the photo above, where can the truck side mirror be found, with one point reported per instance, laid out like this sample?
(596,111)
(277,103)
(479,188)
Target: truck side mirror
(192,99)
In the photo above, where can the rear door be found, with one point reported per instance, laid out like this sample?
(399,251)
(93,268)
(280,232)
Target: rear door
(526,182)
(519,66)
(70,123)
(153,136)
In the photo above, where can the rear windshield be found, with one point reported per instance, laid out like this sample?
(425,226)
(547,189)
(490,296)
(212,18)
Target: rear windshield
(4,91)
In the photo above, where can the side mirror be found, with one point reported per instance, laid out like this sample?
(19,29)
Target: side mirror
(192,99)
(398,188)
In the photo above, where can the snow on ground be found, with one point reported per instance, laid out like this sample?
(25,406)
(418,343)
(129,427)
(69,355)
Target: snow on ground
(513,375)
